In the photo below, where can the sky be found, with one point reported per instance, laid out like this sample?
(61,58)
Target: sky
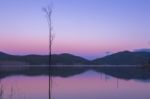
(87,28)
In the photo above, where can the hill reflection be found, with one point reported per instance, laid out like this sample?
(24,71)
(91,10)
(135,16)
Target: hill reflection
(126,73)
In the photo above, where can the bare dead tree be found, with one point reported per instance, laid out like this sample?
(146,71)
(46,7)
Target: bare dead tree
(48,12)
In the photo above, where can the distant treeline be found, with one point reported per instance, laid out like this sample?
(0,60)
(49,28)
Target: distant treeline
(120,58)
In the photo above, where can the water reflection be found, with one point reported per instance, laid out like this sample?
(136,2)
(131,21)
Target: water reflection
(23,87)
(1,90)
(88,85)
(76,83)
(126,73)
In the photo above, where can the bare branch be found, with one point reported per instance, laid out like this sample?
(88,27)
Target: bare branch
(48,12)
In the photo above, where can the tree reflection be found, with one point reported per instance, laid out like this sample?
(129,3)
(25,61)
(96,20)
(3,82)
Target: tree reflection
(1,90)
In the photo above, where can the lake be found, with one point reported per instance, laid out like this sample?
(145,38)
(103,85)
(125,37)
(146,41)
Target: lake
(78,83)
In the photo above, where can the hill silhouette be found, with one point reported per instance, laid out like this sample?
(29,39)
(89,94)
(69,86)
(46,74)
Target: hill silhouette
(57,59)
(120,58)
(124,58)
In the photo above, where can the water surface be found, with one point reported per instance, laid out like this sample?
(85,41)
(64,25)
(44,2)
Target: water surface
(86,85)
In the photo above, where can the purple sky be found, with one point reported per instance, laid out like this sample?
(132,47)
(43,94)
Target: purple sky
(88,28)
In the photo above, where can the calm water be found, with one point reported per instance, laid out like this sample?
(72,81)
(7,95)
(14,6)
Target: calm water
(86,85)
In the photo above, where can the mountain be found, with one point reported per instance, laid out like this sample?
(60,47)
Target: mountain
(61,59)
(68,59)
(142,50)
(124,58)
(120,58)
